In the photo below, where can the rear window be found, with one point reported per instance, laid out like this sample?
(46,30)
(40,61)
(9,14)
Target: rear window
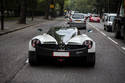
(78,16)
(111,18)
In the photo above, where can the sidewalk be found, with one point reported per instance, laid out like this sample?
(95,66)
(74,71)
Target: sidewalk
(11,26)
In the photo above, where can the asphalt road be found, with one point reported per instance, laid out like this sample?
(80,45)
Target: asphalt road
(109,68)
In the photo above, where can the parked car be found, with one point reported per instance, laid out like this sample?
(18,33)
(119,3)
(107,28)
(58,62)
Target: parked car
(94,18)
(62,44)
(78,20)
(119,22)
(109,21)
(104,17)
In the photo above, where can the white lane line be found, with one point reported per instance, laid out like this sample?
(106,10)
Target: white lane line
(27,60)
(94,27)
(123,48)
(98,29)
(103,33)
(106,36)
(112,40)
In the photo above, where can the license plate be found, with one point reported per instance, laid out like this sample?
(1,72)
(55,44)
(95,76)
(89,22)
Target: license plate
(95,19)
(61,54)
(77,20)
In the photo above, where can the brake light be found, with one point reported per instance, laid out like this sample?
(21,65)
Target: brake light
(88,44)
(35,42)
(70,20)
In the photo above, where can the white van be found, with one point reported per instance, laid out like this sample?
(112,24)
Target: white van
(108,22)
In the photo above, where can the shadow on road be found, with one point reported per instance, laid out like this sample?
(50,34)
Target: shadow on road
(57,64)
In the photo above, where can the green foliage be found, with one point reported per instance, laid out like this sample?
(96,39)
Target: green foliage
(107,5)
(33,5)
(80,5)
(13,5)
(97,6)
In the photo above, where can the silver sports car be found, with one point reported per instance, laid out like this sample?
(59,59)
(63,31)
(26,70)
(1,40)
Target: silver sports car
(62,44)
(78,20)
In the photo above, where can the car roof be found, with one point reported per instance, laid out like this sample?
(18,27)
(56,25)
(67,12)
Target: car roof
(112,14)
(79,13)
(105,13)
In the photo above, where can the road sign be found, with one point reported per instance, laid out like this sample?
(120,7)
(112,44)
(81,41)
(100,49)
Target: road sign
(51,5)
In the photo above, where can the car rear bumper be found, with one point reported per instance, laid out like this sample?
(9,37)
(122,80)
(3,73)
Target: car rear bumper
(109,26)
(73,52)
(94,20)
(47,54)
(72,59)
(77,25)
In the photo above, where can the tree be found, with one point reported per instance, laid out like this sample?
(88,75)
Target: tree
(61,4)
(107,5)
(23,9)
(80,5)
(31,7)
(2,14)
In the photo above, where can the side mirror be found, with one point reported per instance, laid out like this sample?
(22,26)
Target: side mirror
(40,30)
(90,30)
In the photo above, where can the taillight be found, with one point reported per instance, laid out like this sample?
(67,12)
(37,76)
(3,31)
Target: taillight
(35,42)
(84,21)
(70,20)
(90,18)
(88,44)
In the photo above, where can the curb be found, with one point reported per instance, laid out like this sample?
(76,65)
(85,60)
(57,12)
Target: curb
(17,29)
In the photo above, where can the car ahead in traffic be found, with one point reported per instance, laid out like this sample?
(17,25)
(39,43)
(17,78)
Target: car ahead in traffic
(109,21)
(78,20)
(62,44)
(94,18)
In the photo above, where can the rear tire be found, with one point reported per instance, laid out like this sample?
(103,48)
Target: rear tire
(84,28)
(90,60)
(108,29)
(117,32)
(33,59)
(104,27)
(124,35)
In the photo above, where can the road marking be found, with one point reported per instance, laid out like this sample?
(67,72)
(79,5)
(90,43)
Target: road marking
(94,27)
(106,36)
(27,60)
(103,33)
(112,40)
(97,29)
(123,48)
